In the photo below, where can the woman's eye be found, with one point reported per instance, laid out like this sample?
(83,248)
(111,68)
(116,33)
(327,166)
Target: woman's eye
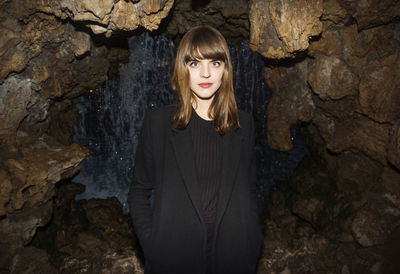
(216,63)
(194,64)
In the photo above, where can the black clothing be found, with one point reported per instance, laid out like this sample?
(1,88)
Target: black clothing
(207,145)
(173,232)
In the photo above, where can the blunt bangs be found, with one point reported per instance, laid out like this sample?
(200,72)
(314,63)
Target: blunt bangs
(205,44)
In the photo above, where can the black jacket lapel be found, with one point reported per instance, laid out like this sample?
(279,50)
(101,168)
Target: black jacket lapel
(231,147)
(184,152)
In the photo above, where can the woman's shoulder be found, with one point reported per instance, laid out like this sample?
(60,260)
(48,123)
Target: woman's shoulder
(161,115)
(162,111)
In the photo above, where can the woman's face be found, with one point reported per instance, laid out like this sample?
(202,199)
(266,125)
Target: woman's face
(205,77)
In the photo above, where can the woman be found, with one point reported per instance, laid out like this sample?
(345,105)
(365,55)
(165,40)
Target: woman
(198,158)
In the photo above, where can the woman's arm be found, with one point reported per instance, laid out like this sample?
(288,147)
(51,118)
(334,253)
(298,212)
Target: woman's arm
(142,186)
(253,166)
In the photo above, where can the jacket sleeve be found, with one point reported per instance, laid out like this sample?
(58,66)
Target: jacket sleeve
(142,186)
(253,166)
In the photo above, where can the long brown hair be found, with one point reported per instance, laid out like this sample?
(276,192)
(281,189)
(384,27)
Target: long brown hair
(204,42)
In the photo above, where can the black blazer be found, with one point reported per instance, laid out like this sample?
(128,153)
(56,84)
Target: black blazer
(172,233)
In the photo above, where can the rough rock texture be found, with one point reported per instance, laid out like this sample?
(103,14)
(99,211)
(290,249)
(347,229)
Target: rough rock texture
(228,16)
(379,96)
(315,225)
(371,13)
(31,260)
(282,28)
(31,171)
(89,236)
(331,78)
(349,193)
(49,55)
(107,16)
(394,145)
(285,107)
(353,72)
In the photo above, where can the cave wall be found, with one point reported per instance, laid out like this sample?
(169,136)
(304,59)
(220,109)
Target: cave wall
(333,65)
(230,17)
(48,57)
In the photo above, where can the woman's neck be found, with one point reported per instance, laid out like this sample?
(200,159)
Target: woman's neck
(201,107)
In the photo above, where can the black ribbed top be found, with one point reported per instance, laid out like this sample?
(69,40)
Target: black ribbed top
(207,145)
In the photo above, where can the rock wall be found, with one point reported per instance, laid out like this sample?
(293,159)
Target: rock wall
(229,16)
(333,65)
(51,52)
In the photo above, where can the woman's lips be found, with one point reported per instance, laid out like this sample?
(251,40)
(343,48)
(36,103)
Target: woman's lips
(205,85)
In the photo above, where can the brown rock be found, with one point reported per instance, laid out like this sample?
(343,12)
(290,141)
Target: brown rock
(125,16)
(394,145)
(371,13)
(296,21)
(17,230)
(108,262)
(37,168)
(88,241)
(379,95)
(331,78)
(280,29)
(300,251)
(328,44)
(88,10)
(81,43)
(107,16)
(230,17)
(15,94)
(391,181)
(276,205)
(154,12)
(101,213)
(363,48)
(360,134)
(368,260)
(357,173)
(31,260)
(5,191)
(339,109)
(332,11)
(366,231)
(12,56)
(308,209)
(291,102)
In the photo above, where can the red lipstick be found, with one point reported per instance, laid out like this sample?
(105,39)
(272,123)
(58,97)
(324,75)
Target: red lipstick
(205,85)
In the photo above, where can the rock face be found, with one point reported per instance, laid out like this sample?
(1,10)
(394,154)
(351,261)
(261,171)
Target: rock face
(107,16)
(50,52)
(344,86)
(88,236)
(282,28)
(229,16)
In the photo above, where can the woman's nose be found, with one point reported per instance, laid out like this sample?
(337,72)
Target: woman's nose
(205,71)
